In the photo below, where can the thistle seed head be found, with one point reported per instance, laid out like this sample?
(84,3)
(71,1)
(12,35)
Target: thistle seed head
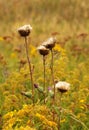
(24,30)
(50,43)
(43,50)
(62,86)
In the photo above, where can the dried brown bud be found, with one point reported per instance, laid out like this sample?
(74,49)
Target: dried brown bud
(1,57)
(43,50)
(25,30)
(17,50)
(50,43)
(23,61)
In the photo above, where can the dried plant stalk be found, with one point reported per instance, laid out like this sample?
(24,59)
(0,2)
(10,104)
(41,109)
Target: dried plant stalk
(52,72)
(30,68)
(44,79)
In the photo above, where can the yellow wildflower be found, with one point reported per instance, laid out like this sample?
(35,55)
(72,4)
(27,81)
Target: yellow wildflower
(62,121)
(51,124)
(21,113)
(40,116)
(81,115)
(1,38)
(46,121)
(32,50)
(82,101)
(57,48)
(9,115)
(13,55)
(28,122)
(26,109)
(25,128)
(82,107)
(10,122)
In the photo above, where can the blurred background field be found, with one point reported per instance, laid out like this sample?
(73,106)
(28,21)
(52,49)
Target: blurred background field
(68,20)
(45,16)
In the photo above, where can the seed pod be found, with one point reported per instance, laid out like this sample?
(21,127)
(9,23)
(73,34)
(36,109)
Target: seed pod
(25,30)
(50,43)
(43,50)
(41,90)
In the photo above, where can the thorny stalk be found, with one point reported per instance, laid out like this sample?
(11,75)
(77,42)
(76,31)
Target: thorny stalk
(59,127)
(30,68)
(44,78)
(52,72)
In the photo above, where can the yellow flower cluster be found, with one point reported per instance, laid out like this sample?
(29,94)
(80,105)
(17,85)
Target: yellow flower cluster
(46,121)
(25,128)
(58,48)
(24,118)
(26,110)
(9,115)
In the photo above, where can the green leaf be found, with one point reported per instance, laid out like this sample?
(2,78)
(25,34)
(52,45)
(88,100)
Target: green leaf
(27,94)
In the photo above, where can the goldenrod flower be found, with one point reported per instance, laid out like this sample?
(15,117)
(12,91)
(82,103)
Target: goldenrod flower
(45,120)
(9,115)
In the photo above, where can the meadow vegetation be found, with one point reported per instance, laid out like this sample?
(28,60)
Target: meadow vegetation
(66,20)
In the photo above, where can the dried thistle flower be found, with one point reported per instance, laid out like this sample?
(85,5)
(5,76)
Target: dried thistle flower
(25,30)
(43,50)
(17,49)
(50,43)
(62,86)
(23,61)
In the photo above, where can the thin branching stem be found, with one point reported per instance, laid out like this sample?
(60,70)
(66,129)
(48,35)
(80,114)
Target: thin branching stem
(52,72)
(74,117)
(30,68)
(44,78)
(80,122)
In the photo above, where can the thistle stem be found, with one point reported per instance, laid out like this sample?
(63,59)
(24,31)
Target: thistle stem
(59,127)
(52,71)
(44,78)
(30,68)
